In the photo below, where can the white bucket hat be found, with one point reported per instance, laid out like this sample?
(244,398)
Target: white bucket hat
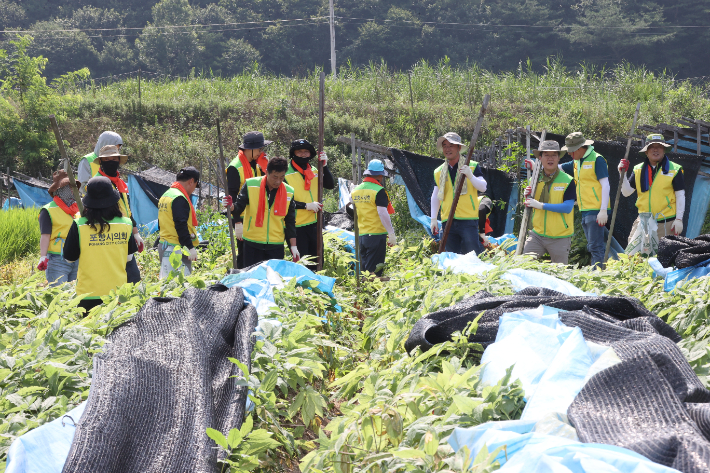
(452,138)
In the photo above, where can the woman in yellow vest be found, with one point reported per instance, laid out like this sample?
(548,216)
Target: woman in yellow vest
(101,241)
(304,179)
(269,215)
(55,220)
(553,214)
(177,221)
(660,185)
(109,160)
(250,162)
(88,166)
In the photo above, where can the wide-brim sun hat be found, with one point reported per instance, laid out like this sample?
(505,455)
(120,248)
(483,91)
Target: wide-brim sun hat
(100,193)
(60,179)
(301,144)
(452,138)
(375,168)
(549,145)
(652,139)
(111,151)
(254,140)
(574,141)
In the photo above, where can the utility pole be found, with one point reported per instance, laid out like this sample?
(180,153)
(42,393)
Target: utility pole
(332,40)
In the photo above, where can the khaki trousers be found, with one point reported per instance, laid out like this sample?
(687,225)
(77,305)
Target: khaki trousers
(557,248)
(664,229)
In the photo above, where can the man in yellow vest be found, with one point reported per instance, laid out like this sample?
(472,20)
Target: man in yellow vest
(660,185)
(177,221)
(373,218)
(101,241)
(250,162)
(304,179)
(55,220)
(269,215)
(88,166)
(109,160)
(463,235)
(553,204)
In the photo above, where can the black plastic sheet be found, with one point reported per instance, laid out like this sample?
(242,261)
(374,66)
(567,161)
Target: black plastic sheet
(683,252)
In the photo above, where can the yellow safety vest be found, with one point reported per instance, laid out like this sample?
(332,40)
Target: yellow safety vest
(61,223)
(368,219)
(237,164)
(296,180)
(94,166)
(102,261)
(273,231)
(553,224)
(660,197)
(168,233)
(123,202)
(467,207)
(589,189)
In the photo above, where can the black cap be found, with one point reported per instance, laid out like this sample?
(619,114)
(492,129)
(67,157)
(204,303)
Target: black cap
(254,140)
(100,193)
(189,172)
(301,144)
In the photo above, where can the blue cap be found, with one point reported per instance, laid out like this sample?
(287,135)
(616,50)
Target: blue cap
(375,168)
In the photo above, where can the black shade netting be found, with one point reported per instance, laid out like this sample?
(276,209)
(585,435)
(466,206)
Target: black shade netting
(683,252)
(439,327)
(163,379)
(417,171)
(339,219)
(614,152)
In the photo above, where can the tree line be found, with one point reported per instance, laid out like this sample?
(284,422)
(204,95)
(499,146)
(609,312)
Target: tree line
(225,37)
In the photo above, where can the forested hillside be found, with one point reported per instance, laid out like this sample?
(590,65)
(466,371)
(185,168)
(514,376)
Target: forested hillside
(223,37)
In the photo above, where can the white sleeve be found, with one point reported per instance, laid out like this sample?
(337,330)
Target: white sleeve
(435,204)
(679,204)
(604,181)
(479,183)
(84,173)
(626,188)
(385,219)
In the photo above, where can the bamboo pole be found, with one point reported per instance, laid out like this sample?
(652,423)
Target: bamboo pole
(321,132)
(223,179)
(70,173)
(527,212)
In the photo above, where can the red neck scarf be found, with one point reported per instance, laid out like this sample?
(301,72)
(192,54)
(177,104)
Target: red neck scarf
(308,174)
(261,161)
(71,211)
(117,181)
(372,180)
(280,202)
(178,186)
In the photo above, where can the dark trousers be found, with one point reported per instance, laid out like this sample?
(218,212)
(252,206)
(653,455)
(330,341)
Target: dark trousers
(254,254)
(88,304)
(133,274)
(463,237)
(240,254)
(373,250)
(307,242)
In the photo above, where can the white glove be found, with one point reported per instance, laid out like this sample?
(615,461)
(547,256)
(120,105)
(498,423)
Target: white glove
(227,202)
(527,191)
(323,158)
(602,217)
(529,164)
(623,165)
(239,231)
(139,242)
(314,207)
(42,265)
(484,238)
(466,171)
(391,239)
(533,203)
(677,226)
(295,254)
(192,256)
(434,227)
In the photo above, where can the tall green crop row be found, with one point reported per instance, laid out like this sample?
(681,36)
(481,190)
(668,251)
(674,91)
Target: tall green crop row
(19,234)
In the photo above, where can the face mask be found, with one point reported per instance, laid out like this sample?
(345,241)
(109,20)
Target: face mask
(302,162)
(110,167)
(66,194)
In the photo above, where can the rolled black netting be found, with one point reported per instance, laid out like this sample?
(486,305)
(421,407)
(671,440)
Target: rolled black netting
(683,252)
(163,379)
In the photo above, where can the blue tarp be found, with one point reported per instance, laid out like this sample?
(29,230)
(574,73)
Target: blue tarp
(698,206)
(12,203)
(512,206)
(343,192)
(418,215)
(31,196)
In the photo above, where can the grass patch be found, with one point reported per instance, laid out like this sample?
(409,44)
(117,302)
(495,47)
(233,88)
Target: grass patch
(19,233)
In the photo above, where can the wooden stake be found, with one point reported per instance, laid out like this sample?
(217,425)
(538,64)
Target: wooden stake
(321,133)
(67,168)
(223,180)
(618,188)
(460,179)
(528,211)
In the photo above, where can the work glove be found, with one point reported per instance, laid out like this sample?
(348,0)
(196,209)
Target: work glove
(466,171)
(602,217)
(623,165)
(314,207)
(139,242)
(484,238)
(239,230)
(533,203)
(391,239)
(677,226)
(43,260)
(527,192)
(227,202)
(323,158)
(529,164)
(295,254)
(434,227)
(192,254)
